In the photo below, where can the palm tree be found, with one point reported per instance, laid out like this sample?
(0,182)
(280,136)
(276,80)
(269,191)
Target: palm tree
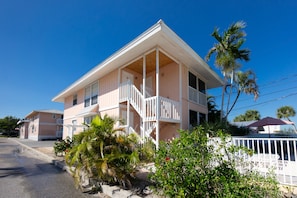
(249,115)
(103,153)
(213,112)
(245,82)
(286,112)
(227,52)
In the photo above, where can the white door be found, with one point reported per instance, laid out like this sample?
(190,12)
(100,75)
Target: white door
(148,87)
(127,77)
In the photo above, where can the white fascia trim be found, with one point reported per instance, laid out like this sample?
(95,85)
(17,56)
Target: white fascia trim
(190,51)
(150,32)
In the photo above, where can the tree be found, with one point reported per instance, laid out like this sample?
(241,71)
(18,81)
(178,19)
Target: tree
(227,53)
(8,125)
(286,112)
(103,153)
(244,82)
(249,115)
(213,112)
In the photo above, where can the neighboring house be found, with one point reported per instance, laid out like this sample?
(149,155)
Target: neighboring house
(41,125)
(260,130)
(156,84)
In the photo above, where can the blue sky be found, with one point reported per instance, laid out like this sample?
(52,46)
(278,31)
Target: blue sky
(45,45)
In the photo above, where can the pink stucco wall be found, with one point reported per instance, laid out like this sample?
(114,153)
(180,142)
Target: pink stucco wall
(109,104)
(42,125)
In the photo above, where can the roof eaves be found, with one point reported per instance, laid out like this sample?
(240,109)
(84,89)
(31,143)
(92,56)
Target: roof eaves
(145,35)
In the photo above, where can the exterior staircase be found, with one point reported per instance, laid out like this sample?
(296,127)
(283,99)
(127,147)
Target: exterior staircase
(168,110)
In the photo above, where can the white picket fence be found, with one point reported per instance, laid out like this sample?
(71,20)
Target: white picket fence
(277,155)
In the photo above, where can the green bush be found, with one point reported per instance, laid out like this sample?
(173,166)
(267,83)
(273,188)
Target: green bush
(104,154)
(147,151)
(63,146)
(192,166)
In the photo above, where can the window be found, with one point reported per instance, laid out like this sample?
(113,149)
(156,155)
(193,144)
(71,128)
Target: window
(202,118)
(74,100)
(54,116)
(192,80)
(94,94)
(88,120)
(201,86)
(194,115)
(91,94)
(197,89)
(74,124)
(193,119)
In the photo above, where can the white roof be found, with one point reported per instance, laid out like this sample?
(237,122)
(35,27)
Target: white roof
(53,111)
(158,35)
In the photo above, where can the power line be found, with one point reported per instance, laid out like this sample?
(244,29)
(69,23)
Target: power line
(270,93)
(271,83)
(265,102)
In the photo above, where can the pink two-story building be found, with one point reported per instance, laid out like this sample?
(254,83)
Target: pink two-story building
(156,84)
(42,125)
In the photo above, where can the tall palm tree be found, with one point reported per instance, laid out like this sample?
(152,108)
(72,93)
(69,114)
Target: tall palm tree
(227,52)
(245,82)
(286,112)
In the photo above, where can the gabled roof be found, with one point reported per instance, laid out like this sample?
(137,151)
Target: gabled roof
(53,111)
(158,35)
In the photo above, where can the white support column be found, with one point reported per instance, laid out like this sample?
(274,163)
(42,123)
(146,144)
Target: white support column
(119,83)
(128,115)
(143,96)
(180,95)
(158,102)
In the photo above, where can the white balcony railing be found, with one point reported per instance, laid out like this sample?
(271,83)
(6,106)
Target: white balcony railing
(197,96)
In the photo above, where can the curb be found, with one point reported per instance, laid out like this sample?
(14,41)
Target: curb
(44,156)
(112,192)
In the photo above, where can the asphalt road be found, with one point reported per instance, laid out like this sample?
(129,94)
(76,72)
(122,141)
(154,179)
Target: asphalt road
(24,175)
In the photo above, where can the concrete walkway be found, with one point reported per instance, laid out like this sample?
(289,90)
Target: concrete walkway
(45,151)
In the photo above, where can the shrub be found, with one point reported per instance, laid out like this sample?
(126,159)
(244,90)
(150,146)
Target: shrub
(61,147)
(147,151)
(192,166)
(103,154)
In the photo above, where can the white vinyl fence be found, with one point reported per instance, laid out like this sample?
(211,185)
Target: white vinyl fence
(272,154)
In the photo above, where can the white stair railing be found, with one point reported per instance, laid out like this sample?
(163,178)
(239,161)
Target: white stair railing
(136,99)
(151,109)
(149,128)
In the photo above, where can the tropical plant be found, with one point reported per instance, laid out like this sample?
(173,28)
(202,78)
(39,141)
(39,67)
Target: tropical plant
(244,82)
(227,52)
(63,146)
(104,154)
(213,112)
(197,166)
(286,112)
(249,115)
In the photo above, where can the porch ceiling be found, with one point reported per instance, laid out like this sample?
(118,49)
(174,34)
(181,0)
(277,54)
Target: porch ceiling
(137,66)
